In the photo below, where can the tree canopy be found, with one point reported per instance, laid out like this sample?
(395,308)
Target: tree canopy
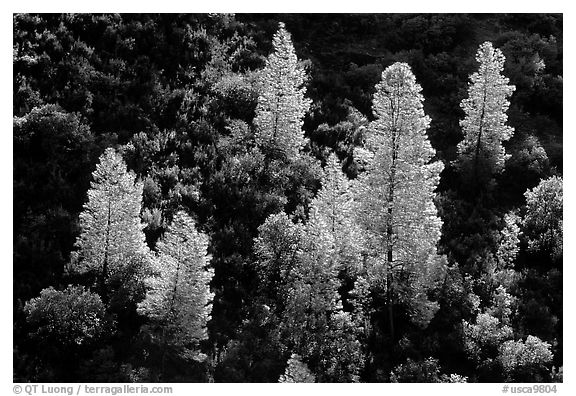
(288,198)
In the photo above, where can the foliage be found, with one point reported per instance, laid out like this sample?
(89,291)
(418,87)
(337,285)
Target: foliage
(296,371)
(487,333)
(74,316)
(111,245)
(300,275)
(228,119)
(276,248)
(525,359)
(178,295)
(313,319)
(425,371)
(281,104)
(334,207)
(484,125)
(543,220)
(508,247)
(53,152)
(395,194)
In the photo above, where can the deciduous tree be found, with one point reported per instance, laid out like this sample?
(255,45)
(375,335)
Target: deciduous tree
(296,371)
(74,316)
(543,219)
(525,359)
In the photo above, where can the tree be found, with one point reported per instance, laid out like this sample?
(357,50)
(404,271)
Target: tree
(427,370)
(482,338)
(111,245)
(281,103)
(313,323)
(167,185)
(395,196)
(53,152)
(509,239)
(334,206)
(543,219)
(178,297)
(64,328)
(298,266)
(502,272)
(526,358)
(481,154)
(263,171)
(411,371)
(74,316)
(276,249)
(296,371)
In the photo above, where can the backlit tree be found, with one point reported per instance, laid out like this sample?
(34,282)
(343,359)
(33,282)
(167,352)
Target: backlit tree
(334,205)
(543,221)
(395,196)
(178,297)
(281,103)
(296,371)
(481,154)
(111,245)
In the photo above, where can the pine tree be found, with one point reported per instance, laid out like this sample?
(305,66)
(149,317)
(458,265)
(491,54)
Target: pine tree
(481,153)
(178,298)
(313,322)
(311,291)
(395,195)
(298,266)
(111,244)
(281,104)
(334,205)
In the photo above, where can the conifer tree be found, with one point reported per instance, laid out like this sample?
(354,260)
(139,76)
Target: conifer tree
(395,195)
(281,103)
(111,245)
(299,266)
(480,153)
(311,291)
(178,298)
(334,206)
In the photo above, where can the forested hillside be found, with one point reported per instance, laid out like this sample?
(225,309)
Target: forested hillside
(287,198)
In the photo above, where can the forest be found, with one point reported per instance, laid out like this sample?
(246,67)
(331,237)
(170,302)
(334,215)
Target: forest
(287,198)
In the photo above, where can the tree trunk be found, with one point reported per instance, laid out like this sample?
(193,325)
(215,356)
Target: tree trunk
(103,291)
(480,130)
(390,236)
(389,297)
